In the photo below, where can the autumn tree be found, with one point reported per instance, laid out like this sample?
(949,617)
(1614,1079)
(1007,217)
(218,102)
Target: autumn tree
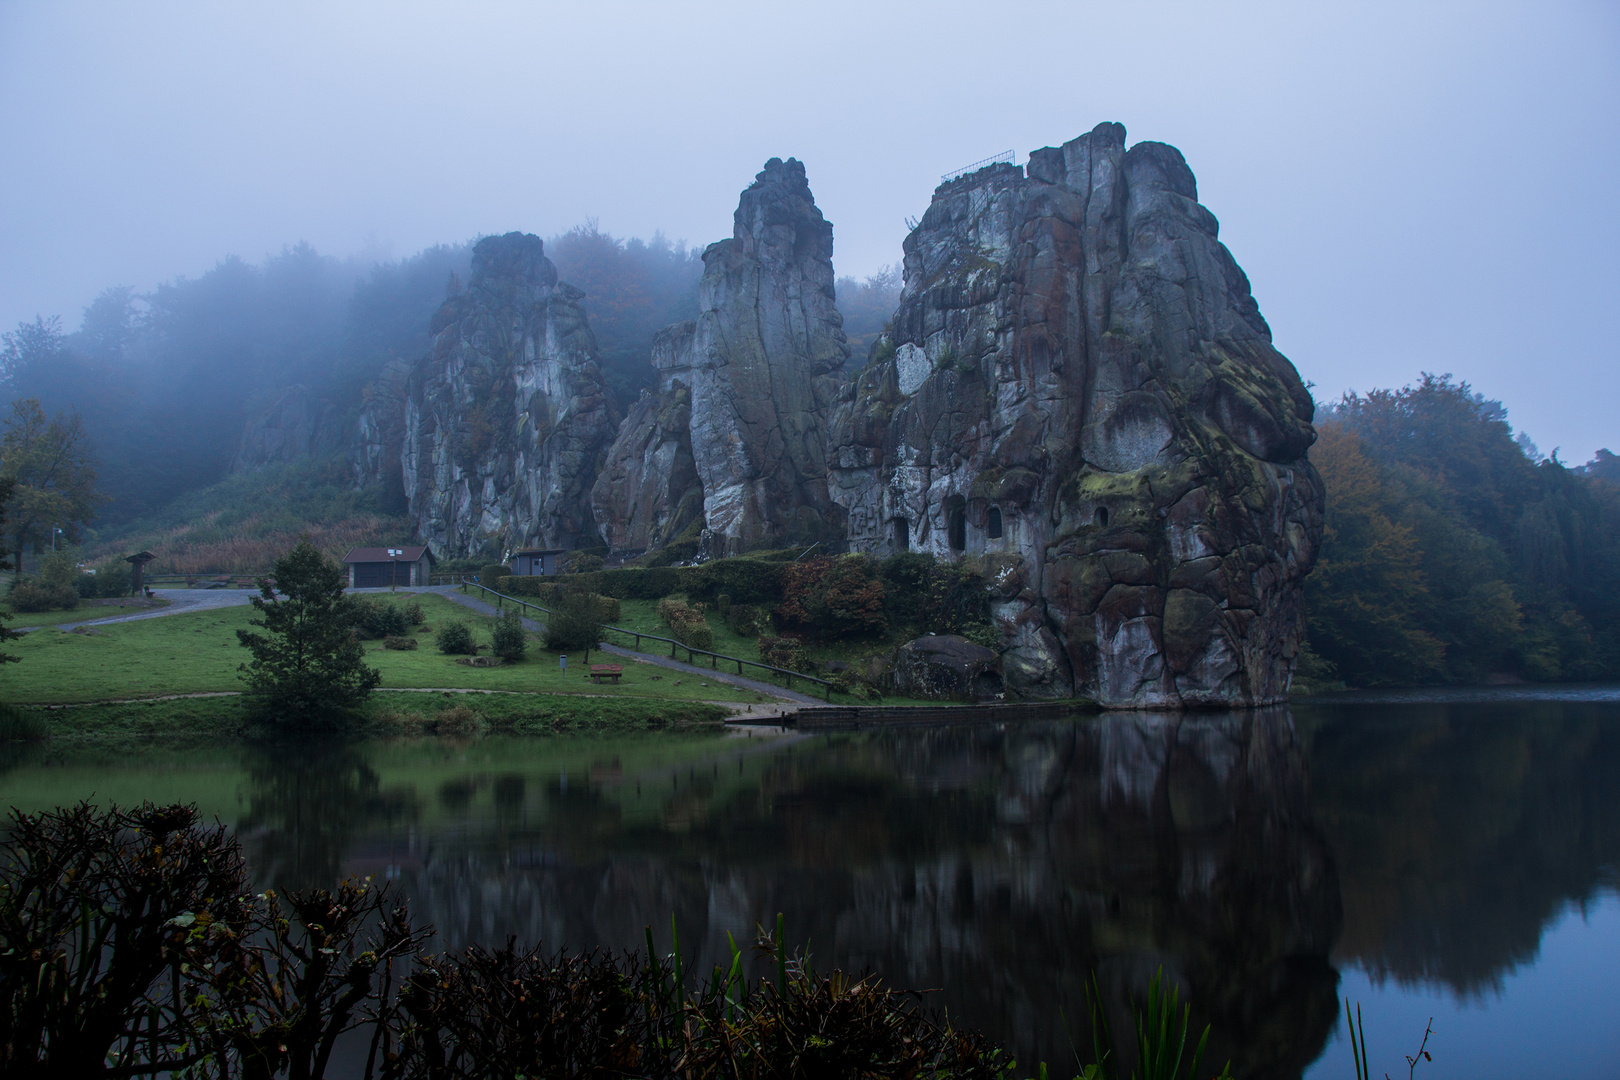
(308,665)
(47,462)
(1365,594)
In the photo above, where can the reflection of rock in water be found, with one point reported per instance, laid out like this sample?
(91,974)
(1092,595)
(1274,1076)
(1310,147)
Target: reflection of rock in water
(1003,866)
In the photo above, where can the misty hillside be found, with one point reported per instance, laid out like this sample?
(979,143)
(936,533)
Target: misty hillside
(167,382)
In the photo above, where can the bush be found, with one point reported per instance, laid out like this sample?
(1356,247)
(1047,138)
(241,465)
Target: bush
(413,613)
(114,577)
(510,640)
(490,575)
(745,580)
(783,652)
(745,620)
(686,623)
(37,596)
(526,585)
(584,562)
(400,644)
(946,598)
(576,618)
(455,638)
(376,618)
(722,604)
(833,599)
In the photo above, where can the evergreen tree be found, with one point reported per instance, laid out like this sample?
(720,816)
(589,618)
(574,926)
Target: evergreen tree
(309,664)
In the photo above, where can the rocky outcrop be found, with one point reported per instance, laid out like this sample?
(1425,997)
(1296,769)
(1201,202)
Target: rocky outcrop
(297,425)
(649,491)
(744,393)
(1080,389)
(945,667)
(506,421)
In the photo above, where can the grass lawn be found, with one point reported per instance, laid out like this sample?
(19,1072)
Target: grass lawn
(198,653)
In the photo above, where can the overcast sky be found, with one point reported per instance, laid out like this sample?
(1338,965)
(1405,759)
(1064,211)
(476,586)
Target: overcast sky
(1410,187)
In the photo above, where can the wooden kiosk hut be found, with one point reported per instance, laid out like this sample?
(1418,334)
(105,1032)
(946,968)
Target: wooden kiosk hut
(137,564)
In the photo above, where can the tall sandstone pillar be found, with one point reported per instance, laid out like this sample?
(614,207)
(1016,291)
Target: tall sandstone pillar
(1079,391)
(744,391)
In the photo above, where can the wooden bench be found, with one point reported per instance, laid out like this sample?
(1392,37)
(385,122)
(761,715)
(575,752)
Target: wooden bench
(606,671)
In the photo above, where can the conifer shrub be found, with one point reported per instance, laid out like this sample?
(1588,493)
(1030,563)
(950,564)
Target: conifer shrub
(576,618)
(377,618)
(455,638)
(490,575)
(509,639)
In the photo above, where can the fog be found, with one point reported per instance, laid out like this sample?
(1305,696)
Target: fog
(1409,187)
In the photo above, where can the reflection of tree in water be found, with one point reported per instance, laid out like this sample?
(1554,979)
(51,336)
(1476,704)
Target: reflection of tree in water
(307,802)
(1462,830)
(1001,865)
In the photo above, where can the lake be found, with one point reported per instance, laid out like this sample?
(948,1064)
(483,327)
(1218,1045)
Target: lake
(1446,854)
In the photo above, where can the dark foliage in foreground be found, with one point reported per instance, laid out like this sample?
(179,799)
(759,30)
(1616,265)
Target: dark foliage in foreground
(131,946)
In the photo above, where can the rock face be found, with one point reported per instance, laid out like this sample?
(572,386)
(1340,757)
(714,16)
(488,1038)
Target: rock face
(743,393)
(506,420)
(1080,390)
(297,425)
(945,667)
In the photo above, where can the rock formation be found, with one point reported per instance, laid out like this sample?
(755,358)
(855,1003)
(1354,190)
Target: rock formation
(507,419)
(743,393)
(1079,390)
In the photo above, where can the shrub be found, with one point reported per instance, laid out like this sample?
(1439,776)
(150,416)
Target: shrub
(37,596)
(455,638)
(376,618)
(832,598)
(114,577)
(722,604)
(584,562)
(490,575)
(413,613)
(745,620)
(457,720)
(400,644)
(783,652)
(576,618)
(510,640)
(525,585)
(686,623)
(946,598)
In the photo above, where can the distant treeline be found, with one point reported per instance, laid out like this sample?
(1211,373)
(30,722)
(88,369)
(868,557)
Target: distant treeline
(166,381)
(1453,552)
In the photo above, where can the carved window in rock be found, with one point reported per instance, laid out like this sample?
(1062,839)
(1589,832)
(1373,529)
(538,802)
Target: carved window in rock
(902,534)
(1100,517)
(992,523)
(956,523)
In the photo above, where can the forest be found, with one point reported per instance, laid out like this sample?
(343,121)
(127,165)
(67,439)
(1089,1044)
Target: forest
(1453,551)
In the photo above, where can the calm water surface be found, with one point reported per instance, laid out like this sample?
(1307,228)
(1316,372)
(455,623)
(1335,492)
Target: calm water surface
(1435,854)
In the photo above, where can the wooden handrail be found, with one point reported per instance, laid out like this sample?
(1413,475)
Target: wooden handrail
(673,644)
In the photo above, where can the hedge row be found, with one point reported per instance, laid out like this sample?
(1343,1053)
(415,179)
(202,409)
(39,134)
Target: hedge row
(544,590)
(746,581)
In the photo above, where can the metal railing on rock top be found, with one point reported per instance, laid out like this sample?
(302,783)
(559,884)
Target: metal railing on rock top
(674,645)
